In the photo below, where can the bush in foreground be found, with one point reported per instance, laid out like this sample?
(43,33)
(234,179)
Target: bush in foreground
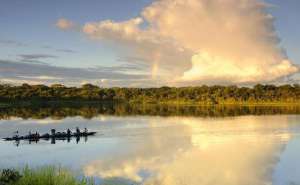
(41,176)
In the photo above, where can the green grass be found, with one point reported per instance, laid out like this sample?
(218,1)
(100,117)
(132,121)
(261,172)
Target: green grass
(42,176)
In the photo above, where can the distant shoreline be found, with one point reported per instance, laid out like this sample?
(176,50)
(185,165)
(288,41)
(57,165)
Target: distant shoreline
(258,95)
(25,103)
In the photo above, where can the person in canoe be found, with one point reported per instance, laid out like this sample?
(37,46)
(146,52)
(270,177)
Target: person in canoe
(69,132)
(77,131)
(16,134)
(53,132)
(37,135)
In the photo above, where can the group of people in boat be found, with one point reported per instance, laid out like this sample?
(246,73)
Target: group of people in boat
(69,133)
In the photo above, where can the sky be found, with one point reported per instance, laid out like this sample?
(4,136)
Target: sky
(145,43)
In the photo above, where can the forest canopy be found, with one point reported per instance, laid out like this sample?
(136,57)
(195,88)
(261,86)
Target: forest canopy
(185,95)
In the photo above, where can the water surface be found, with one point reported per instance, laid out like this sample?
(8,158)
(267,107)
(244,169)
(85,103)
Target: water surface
(168,146)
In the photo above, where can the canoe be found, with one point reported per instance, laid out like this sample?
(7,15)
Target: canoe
(48,136)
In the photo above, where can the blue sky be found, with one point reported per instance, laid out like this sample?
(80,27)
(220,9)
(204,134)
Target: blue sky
(33,23)
(287,15)
(28,28)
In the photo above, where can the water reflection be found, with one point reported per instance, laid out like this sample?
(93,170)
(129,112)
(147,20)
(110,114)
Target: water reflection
(243,151)
(52,140)
(57,112)
(166,150)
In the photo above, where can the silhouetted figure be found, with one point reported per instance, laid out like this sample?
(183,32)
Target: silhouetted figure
(69,133)
(37,135)
(85,130)
(77,130)
(53,132)
(16,133)
(53,140)
(63,134)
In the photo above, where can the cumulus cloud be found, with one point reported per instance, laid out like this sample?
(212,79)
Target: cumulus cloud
(148,46)
(232,41)
(65,24)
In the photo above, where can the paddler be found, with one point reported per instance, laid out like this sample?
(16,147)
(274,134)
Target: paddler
(77,130)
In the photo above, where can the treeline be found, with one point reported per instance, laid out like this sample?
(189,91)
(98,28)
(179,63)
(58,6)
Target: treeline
(186,95)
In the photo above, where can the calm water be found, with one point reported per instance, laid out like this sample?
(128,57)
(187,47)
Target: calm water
(165,146)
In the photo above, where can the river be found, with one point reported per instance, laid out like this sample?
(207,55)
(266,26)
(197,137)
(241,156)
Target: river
(162,145)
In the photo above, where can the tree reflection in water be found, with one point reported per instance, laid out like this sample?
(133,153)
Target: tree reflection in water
(92,110)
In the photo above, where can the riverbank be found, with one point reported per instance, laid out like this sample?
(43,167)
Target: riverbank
(142,103)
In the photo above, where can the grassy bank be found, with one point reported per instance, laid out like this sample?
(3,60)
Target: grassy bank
(41,176)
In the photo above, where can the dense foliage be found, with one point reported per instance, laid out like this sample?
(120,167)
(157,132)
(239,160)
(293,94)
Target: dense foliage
(202,95)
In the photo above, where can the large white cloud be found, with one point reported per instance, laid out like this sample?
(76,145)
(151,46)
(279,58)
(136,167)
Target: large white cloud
(147,45)
(232,41)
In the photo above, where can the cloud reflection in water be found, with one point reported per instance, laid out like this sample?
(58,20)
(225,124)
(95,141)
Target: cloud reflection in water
(193,151)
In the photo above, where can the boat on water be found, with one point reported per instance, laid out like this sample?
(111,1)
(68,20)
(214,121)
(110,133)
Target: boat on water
(53,135)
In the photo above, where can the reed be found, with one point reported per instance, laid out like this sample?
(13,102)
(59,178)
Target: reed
(42,176)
